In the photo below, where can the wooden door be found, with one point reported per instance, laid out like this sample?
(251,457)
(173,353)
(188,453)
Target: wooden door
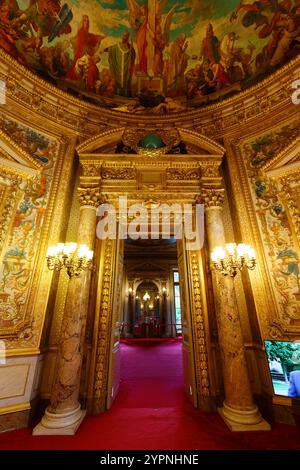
(115,353)
(187,333)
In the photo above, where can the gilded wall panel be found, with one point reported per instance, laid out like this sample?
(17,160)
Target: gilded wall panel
(21,249)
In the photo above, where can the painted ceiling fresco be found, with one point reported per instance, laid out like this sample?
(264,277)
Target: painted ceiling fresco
(163,55)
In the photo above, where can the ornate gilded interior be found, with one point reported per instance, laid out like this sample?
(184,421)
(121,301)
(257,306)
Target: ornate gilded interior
(61,157)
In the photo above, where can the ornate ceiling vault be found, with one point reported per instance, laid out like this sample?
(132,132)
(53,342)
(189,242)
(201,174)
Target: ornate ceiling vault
(151,56)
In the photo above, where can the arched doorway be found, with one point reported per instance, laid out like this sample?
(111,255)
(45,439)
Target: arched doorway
(146,309)
(175,176)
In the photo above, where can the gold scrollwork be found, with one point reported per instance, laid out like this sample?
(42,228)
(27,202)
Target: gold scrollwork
(103,340)
(119,174)
(202,372)
(182,175)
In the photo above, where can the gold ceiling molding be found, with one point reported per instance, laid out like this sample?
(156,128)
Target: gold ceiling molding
(217,119)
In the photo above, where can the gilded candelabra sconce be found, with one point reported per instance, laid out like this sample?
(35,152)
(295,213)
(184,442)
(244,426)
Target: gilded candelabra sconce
(231,258)
(130,291)
(75,259)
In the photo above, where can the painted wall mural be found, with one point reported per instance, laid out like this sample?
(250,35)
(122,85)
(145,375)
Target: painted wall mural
(22,241)
(161,55)
(277,223)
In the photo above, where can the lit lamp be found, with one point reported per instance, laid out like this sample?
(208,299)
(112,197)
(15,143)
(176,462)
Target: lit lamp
(146,297)
(232,257)
(73,258)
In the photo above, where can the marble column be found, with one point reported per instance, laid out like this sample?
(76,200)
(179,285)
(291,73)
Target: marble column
(238,411)
(64,414)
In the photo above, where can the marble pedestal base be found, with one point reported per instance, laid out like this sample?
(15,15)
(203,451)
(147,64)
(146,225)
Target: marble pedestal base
(59,424)
(238,420)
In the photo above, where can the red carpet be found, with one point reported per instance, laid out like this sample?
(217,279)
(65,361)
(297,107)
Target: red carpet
(152,412)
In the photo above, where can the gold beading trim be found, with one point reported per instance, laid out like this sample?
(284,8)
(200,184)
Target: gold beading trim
(199,328)
(15,408)
(103,338)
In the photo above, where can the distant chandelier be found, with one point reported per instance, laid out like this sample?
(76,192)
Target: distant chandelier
(73,258)
(231,258)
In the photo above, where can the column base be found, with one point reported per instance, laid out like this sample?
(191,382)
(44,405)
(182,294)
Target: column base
(243,420)
(60,424)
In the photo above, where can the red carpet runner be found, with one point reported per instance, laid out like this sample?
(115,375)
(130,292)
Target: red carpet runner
(152,412)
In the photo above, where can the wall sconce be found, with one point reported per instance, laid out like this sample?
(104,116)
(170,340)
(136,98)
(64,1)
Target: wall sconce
(164,291)
(146,297)
(71,257)
(231,258)
(130,291)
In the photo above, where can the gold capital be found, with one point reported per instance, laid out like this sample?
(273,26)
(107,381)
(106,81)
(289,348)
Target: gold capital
(211,198)
(89,196)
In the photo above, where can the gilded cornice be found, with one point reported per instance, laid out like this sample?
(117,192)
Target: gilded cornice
(201,141)
(216,119)
(100,140)
(284,163)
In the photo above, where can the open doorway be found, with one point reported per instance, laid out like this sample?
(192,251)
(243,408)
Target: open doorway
(150,307)
(156,345)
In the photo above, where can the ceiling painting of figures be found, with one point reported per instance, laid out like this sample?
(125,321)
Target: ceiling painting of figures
(157,55)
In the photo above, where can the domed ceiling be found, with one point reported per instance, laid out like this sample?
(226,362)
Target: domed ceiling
(158,55)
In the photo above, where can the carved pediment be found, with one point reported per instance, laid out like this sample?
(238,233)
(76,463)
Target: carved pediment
(104,142)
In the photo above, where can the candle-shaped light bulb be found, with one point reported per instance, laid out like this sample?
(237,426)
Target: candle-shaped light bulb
(73,247)
(82,251)
(241,250)
(231,247)
(52,250)
(60,248)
